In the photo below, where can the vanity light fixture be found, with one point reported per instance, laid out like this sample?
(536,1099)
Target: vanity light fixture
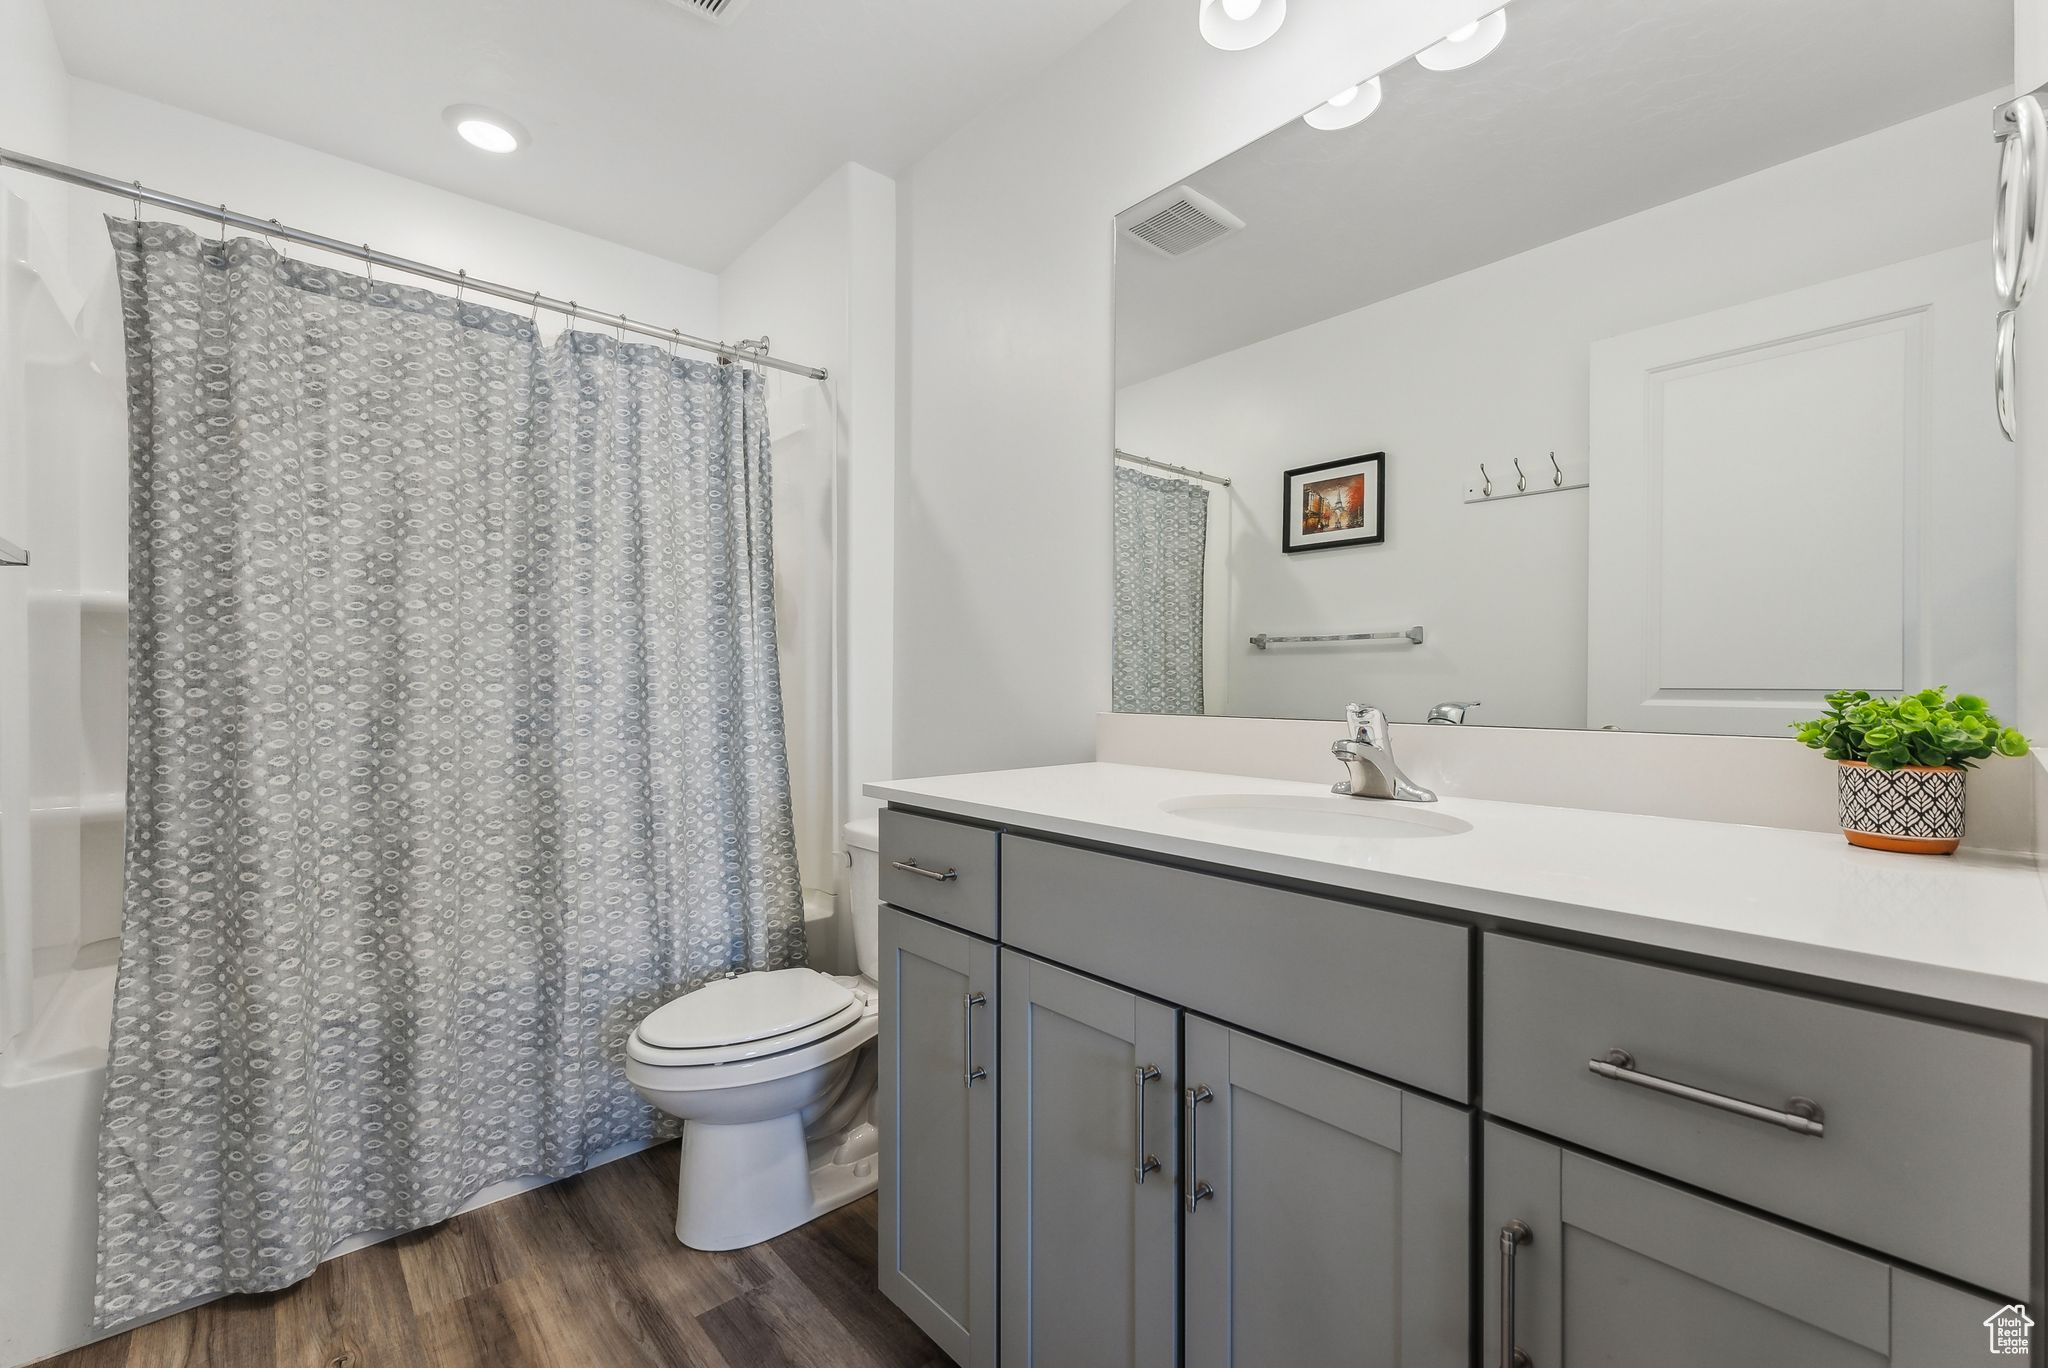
(1235,25)
(1347,107)
(484,128)
(1462,47)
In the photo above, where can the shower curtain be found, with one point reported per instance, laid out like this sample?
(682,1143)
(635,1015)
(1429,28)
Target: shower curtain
(1162,530)
(455,746)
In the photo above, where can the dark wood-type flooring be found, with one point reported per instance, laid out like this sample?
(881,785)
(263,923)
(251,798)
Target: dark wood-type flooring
(584,1273)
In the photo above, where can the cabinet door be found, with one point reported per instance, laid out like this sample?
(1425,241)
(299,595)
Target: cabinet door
(1089,1230)
(937,1096)
(1607,1269)
(1331,1217)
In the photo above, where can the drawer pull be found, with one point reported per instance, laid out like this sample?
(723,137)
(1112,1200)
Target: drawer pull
(1801,1115)
(913,867)
(1513,1236)
(1147,1161)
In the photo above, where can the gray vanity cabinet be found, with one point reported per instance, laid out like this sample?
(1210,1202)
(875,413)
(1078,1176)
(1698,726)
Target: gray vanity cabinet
(1593,1266)
(1090,1205)
(1332,1220)
(936,1096)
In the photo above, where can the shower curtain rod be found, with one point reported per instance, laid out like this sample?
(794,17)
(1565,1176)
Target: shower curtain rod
(1188,471)
(221,214)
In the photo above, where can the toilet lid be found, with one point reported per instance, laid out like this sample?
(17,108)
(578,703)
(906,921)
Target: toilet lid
(752,1007)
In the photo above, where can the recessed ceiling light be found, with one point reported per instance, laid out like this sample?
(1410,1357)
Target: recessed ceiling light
(1462,47)
(1235,25)
(485,128)
(1354,104)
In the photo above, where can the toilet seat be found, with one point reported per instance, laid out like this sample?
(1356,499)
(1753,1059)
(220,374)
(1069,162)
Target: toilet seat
(644,1050)
(753,1027)
(745,1008)
(650,1067)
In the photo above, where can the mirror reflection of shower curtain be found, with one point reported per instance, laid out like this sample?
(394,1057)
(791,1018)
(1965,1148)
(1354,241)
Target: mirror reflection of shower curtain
(1162,532)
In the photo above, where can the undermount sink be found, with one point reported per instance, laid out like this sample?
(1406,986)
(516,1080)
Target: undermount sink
(1307,815)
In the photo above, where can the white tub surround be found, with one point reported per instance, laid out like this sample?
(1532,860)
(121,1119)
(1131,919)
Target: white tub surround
(1968,929)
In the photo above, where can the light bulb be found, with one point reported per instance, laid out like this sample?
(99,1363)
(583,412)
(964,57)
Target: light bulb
(1354,104)
(1235,25)
(483,128)
(487,135)
(1466,45)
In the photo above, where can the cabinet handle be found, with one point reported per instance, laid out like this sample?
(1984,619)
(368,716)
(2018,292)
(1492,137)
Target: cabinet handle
(1513,1236)
(936,876)
(1147,1162)
(1801,1116)
(967,1006)
(1198,1191)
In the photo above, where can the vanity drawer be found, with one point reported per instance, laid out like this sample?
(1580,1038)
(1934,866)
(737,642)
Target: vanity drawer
(945,870)
(1926,1129)
(1379,990)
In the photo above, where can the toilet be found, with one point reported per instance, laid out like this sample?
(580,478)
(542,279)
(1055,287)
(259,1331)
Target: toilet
(773,1076)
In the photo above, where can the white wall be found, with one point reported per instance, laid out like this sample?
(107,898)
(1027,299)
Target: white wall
(172,149)
(822,284)
(34,112)
(1003,545)
(1502,587)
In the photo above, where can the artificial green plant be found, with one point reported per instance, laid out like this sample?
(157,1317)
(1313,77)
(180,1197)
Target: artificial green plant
(1924,728)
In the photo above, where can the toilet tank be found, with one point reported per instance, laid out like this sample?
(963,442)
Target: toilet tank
(863,891)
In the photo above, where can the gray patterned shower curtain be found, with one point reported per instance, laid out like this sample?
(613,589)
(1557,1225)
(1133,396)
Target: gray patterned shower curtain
(455,745)
(1162,534)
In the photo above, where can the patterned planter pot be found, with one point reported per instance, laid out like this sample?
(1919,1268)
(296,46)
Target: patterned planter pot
(1917,809)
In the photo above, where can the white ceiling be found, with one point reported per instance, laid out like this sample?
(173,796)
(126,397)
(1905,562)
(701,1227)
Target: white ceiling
(649,125)
(1588,111)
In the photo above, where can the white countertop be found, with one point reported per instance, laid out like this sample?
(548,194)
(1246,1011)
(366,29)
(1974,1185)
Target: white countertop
(1968,928)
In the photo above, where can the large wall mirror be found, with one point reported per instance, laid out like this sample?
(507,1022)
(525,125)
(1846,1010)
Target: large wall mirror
(1637,375)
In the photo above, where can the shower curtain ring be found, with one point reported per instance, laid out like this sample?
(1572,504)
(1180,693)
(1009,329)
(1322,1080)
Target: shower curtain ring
(1521,480)
(135,200)
(534,316)
(619,331)
(369,267)
(223,226)
(461,279)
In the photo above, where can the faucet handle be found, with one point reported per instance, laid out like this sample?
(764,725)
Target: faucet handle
(1364,722)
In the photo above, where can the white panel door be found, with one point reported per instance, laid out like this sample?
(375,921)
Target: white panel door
(1794,495)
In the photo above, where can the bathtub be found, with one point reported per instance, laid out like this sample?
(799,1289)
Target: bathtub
(50,1086)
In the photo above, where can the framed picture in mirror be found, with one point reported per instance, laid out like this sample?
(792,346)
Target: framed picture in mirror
(1334,503)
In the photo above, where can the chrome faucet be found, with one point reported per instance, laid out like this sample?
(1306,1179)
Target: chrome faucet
(1451,714)
(1368,755)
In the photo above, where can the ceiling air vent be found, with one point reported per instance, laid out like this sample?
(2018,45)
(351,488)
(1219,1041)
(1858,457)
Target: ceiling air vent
(1178,221)
(717,11)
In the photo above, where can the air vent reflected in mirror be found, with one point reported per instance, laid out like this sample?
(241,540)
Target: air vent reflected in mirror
(1178,221)
(720,12)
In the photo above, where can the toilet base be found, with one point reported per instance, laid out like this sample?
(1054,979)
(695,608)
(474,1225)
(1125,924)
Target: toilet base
(742,1184)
